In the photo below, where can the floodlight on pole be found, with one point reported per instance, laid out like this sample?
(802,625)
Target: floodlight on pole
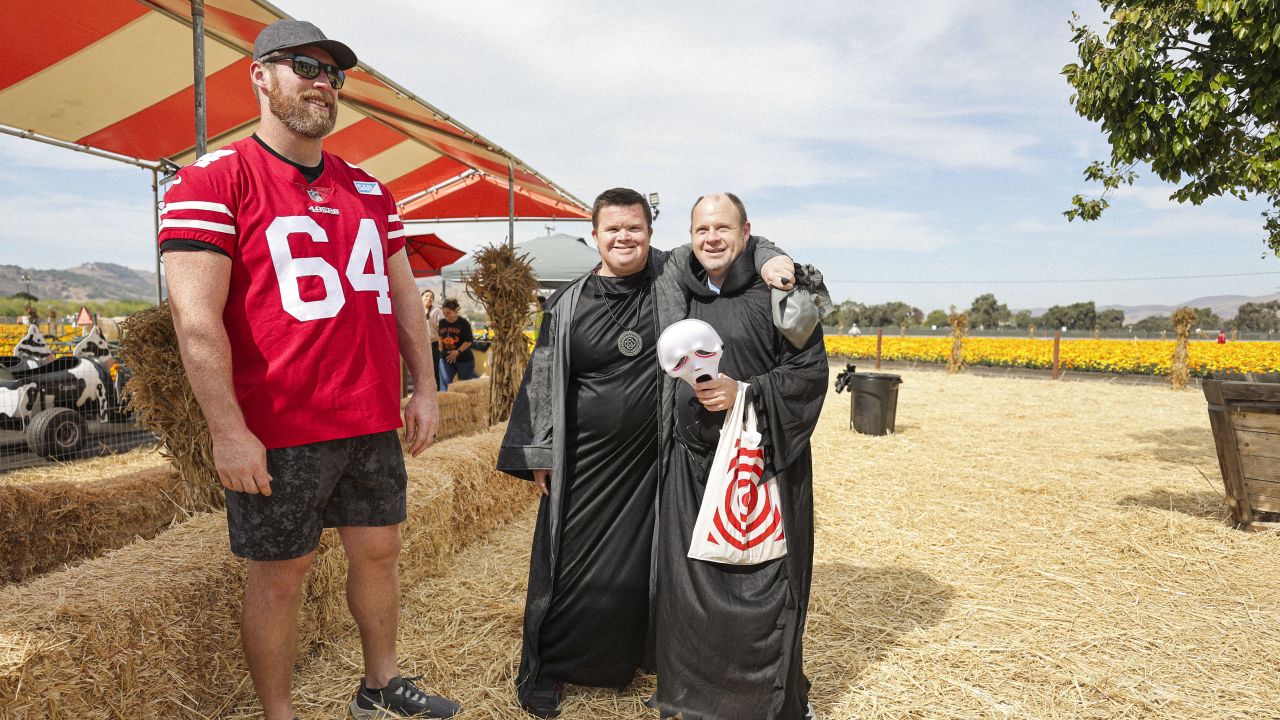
(653,204)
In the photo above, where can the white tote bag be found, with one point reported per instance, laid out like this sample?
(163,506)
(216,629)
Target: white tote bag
(740,521)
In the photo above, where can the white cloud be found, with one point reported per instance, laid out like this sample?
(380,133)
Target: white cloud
(63,230)
(752,96)
(836,229)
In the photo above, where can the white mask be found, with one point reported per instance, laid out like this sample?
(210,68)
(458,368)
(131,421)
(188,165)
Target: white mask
(690,350)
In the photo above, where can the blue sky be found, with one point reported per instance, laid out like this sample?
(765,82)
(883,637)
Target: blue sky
(916,151)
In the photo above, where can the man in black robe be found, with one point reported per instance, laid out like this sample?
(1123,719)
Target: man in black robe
(729,637)
(585,427)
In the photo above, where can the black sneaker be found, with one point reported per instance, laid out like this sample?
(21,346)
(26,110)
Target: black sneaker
(544,700)
(400,699)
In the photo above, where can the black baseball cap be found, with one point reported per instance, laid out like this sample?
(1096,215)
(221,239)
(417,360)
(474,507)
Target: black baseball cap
(290,33)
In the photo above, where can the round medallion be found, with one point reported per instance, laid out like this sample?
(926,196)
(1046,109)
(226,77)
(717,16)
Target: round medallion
(629,343)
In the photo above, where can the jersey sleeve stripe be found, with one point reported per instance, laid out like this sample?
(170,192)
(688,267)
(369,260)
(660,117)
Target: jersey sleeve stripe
(393,218)
(196,205)
(197,225)
(395,234)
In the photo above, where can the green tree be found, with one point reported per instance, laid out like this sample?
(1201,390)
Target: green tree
(936,318)
(1154,323)
(1188,87)
(1022,319)
(849,313)
(1112,319)
(1207,319)
(986,312)
(893,313)
(1076,316)
(1258,317)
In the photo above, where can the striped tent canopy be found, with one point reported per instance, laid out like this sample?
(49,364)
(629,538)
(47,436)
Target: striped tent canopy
(116,75)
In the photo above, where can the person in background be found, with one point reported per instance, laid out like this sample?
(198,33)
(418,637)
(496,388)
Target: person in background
(541,306)
(455,345)
(1222,337)
(433,331)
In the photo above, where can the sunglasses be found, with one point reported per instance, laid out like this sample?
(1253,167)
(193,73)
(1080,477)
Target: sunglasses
(309,68)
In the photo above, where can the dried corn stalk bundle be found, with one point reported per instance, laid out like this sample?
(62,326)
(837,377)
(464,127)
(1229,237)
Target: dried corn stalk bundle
(1180,371)
(504,283)
(959,326)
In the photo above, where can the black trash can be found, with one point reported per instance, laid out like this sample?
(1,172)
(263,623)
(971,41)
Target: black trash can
(874,402)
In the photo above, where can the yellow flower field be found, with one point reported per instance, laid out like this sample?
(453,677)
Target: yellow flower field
(11,334)
(1146,357)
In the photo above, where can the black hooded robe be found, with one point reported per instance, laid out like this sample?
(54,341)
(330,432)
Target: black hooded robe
(729,638)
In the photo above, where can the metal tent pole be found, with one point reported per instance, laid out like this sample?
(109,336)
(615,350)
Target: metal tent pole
(197,38)
(511,203)
(31,135)
(155,224)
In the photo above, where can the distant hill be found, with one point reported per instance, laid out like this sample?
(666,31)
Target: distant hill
(1224,306)
(96,281)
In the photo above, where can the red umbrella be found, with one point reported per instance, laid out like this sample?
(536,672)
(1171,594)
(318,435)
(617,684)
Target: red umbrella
(428,254)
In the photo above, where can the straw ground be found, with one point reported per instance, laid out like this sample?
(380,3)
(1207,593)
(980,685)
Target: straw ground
(150,630)
(1019,549)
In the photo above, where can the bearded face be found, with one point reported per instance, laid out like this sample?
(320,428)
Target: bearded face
(310,113)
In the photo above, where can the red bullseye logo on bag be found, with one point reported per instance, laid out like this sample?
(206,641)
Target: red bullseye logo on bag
(740,518)
(749,514)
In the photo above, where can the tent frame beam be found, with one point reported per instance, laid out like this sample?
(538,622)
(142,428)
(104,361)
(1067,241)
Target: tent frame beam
(127,159)
(496,219)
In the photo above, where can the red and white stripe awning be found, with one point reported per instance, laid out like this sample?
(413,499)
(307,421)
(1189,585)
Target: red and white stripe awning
(116,75)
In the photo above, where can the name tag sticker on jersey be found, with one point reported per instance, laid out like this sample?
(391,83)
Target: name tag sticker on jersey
(367,188)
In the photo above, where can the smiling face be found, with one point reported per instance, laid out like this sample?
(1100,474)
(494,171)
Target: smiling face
(622,236)
(690,350)
(719,235)
(307,107)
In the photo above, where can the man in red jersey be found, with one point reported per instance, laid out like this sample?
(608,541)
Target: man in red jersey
(293,301)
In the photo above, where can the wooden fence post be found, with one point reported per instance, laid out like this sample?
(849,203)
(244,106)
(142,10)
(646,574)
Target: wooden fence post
(879,340)
(1057,345)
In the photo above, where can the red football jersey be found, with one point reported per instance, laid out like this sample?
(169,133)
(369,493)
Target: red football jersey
(314,350)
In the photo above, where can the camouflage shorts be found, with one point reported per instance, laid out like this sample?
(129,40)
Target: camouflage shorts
(357,481)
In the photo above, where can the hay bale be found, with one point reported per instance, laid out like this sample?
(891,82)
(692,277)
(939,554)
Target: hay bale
(461,413)
(44,525)
(47,523)
(152,630)
(478,387)
(483,498)
(162,400)
(141,458)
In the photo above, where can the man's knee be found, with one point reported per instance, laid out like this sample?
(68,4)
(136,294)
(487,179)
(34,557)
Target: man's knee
(371,546)
(277,580)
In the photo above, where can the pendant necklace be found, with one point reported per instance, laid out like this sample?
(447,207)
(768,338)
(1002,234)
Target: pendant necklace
(629,342)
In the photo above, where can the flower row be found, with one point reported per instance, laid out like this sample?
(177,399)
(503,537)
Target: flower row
(1147,357)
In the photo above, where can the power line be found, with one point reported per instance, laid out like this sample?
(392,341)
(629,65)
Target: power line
(1044,281)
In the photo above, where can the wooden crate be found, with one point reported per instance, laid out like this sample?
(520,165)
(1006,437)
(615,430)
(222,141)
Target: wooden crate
(1245,417)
